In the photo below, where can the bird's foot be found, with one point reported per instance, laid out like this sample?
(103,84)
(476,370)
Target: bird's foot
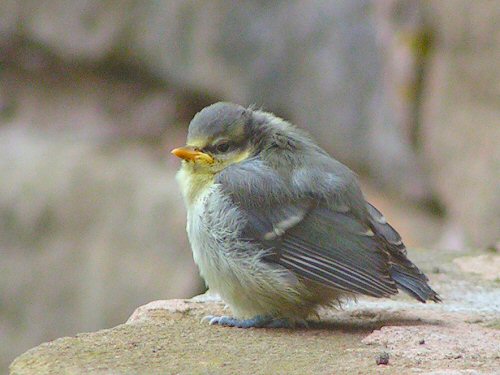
(256,322)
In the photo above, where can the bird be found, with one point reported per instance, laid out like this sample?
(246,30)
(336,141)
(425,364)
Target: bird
(278,228)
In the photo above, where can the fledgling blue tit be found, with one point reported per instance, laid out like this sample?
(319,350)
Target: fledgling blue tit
(278,228)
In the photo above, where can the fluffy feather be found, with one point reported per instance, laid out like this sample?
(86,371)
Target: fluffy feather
(279,228)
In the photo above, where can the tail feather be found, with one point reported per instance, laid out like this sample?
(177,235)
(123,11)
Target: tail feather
(415,284)
(405,274)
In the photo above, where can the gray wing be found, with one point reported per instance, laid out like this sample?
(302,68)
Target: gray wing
(331,242)
(323,245)
(407,276)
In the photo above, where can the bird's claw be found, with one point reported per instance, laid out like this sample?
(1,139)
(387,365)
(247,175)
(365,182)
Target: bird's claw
(256,322)
(207,318)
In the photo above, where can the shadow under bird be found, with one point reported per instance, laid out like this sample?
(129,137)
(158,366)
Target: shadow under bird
(278,228)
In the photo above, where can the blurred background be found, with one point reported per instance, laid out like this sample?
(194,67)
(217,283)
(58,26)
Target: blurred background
(94,94)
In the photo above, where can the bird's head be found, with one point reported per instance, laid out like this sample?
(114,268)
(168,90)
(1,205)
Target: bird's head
(218,136)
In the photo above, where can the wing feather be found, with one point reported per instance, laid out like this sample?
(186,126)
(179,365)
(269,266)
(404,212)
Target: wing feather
(338,245)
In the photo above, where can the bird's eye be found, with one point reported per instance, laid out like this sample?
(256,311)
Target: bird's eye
(222,146)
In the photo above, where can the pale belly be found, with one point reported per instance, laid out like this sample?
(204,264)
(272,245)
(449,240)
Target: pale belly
(235,269)
(225,266)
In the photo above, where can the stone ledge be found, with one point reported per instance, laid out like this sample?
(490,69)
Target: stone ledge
(460,336)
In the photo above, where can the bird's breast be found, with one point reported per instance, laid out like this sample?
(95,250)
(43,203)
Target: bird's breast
(213,226)
(233,268)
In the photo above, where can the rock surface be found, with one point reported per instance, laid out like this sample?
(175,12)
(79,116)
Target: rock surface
(316,63)
(460,117)
(459,336)
(404,89)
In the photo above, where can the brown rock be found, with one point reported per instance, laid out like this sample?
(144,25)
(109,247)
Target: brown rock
(461,337)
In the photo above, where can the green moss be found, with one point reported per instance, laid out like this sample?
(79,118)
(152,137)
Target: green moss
(495,324)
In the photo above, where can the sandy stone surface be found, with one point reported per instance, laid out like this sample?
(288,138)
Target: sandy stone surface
(485,265)
(457,337)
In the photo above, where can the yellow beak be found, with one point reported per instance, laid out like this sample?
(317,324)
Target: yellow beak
(189,153)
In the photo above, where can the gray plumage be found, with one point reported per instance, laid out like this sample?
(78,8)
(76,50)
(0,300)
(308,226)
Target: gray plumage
(285,229)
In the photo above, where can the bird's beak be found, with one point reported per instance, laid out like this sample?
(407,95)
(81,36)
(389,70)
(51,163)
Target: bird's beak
(189,153)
